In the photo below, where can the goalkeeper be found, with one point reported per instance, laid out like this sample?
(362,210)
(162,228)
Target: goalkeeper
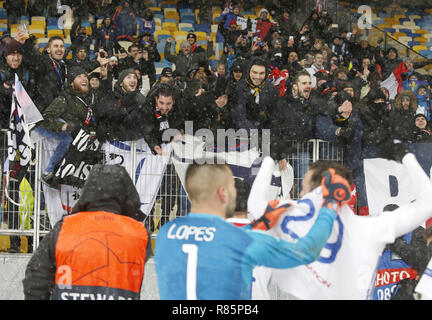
(201,256)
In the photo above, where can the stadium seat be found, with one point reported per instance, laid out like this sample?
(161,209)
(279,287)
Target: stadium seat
(200,27)
(55,32)
(183,26)
(169,26)
(180,34)
(159,34)
(42,43)
(155,9)
(175,21)
(38,33)
(201,35)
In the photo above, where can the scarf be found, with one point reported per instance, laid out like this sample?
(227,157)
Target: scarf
(255,90)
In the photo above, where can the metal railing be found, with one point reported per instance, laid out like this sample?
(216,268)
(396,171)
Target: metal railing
(24,208)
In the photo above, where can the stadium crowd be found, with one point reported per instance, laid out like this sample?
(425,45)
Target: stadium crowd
(300,79)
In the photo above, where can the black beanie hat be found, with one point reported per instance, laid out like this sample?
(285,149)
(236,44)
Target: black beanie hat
(12,47)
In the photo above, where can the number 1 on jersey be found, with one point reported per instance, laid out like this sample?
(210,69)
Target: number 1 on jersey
(191,270)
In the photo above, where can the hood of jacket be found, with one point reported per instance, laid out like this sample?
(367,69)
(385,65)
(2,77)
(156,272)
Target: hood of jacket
(406,93)
(110,188)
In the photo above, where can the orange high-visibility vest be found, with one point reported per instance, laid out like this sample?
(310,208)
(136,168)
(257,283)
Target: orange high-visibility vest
(100,255)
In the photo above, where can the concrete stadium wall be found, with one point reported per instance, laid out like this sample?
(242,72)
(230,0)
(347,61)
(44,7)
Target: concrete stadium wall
(12,270)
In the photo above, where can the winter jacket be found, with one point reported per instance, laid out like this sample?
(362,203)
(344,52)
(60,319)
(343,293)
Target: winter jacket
(76,109)
(294,119)
(15,7)
(145,67)
(401,121)
(7,75)
(97,252)
(253,109)
(350,137)
(88,65)
(230,37)
(82,40)
(106,38)
(155,124)
(50,75)
(124,21)
(405,259)
(185,63)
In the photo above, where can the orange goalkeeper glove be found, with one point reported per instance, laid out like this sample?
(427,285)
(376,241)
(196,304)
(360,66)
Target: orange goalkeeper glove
(335,190)
(270,216)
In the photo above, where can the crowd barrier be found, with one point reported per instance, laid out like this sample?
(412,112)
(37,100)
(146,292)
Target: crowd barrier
(24,208)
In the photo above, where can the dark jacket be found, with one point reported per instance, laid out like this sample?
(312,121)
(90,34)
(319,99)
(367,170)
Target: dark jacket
(124,21)
(74,108)
(252,111)
(294,119)
(145,67)
(49,74)
(106,38)
(230,37)
(88,65)
(417,254)
(109,210)
(185,63)
(156,124)
(401,121)
(349,137)
(375,120)
(120,115)
(8,75)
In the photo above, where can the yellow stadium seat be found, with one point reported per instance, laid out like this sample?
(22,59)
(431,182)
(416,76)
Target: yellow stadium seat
(169,26)
(399,34)
(38,33)
(38,25)
(172,15)
(420,47)
(155,9)
(201,35)
(170,10)
(55,32)
(420,39)
(180,34)
(196,16)
(160,32)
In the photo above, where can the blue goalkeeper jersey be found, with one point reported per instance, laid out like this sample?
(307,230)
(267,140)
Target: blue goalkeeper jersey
(201,256)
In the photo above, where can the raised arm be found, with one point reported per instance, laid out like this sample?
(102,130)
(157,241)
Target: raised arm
(257,201)
(410,216)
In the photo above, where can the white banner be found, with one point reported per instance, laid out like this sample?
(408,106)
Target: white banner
(148,168)
(243,23)
(147,175)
